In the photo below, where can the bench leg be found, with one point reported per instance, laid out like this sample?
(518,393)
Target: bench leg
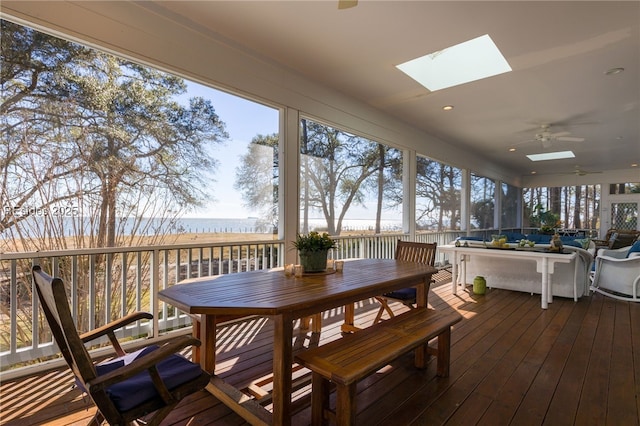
(346,404)
(444,353)
(319,399)
(421,356)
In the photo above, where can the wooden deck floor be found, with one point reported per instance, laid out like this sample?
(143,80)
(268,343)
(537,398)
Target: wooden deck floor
(512,363)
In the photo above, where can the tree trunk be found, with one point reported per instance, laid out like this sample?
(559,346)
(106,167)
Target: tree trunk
(577,224)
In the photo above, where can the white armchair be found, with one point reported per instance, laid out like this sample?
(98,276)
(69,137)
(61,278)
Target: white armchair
(618,275)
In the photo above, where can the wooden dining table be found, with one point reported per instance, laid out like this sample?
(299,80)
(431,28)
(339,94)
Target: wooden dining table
(284,299)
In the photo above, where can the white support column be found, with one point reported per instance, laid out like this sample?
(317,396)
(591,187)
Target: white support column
(497,202)
(465,201)
(409,170)
(520,209)
(289,161)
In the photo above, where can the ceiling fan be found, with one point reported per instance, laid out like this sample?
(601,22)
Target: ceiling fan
(579,171)
(546,136)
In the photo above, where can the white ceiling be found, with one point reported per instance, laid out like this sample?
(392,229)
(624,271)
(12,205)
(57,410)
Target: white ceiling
(559,52)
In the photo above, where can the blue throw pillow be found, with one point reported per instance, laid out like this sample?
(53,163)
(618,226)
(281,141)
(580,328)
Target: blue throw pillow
(635,248)
(585,242)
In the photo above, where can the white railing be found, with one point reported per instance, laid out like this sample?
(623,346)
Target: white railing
(105,284)
(108,283)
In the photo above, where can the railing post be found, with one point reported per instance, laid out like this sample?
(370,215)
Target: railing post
(92,292)
(155,288)
(108,287)
(13,297)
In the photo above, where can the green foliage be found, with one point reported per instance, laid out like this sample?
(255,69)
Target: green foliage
(314,241)
(546,220)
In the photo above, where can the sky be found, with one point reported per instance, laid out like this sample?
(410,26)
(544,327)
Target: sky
(243,121)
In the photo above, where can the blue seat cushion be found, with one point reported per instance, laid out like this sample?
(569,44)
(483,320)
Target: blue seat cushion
(635,248)
(174,371)
(405,294)
(539,238)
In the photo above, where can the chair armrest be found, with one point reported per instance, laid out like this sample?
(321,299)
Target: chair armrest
(143,363)
(114,325)
(615,259)
(617,253)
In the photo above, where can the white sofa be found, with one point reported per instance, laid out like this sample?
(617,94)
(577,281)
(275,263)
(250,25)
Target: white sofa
(521,274)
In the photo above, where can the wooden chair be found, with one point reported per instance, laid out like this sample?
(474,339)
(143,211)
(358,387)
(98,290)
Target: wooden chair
(149,382)
(410,252)
(617,238)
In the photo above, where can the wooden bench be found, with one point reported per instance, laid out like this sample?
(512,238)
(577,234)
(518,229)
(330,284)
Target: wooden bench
(355,356)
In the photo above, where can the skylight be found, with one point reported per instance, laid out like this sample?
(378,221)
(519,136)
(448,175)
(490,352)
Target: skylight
(465,62)
(551,156)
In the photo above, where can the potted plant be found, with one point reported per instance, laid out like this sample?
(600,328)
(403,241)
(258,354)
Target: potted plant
(313,249)
(546,220)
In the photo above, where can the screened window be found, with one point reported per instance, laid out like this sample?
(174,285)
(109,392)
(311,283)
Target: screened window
(482,202)
(102,151)
(624,188)
(348,183)
(438,203)
(510,197)
(573,207)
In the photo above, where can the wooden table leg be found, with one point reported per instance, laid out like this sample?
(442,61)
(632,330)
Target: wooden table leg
(421,353)
(454,273)
(208,347)
(544,296)
(195,332)
(282,369)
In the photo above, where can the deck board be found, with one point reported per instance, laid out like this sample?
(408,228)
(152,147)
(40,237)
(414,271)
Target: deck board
(511,363)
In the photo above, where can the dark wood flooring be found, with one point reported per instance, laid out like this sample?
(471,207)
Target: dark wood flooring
(512,363)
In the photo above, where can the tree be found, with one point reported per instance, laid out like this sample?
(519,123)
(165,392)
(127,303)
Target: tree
(437,195)
(100,132)
(34,99)
(257,176)
(337,168)
(482,201)
(96,145)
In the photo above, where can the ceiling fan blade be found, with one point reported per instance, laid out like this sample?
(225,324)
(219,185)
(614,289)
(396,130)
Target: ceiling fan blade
(558,134)
(570,139)
(522,142)
(346,4)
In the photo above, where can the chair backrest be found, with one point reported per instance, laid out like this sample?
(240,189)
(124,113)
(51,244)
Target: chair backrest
(416,252)
(55,304)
